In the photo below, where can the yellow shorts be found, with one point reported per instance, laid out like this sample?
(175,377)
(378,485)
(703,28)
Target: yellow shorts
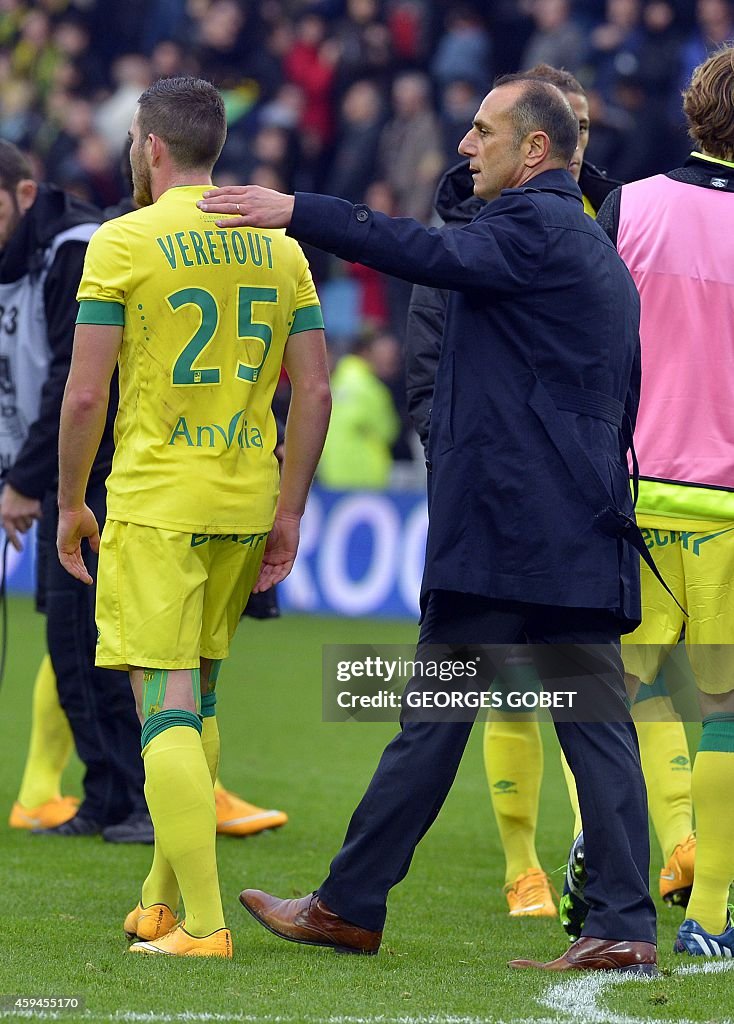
(166,599)
(699,569)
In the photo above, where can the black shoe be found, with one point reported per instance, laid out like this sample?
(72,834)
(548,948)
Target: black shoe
(137,828)
(76,826)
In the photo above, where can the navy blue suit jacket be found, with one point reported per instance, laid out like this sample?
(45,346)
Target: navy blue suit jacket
(539,358)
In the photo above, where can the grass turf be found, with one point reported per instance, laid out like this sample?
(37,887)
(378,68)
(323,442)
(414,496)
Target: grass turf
(448,934)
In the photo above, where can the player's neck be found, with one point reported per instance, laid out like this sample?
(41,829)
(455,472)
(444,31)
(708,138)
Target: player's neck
(179,179)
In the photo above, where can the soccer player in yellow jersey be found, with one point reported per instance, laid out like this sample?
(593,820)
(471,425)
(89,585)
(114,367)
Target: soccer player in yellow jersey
(199,321)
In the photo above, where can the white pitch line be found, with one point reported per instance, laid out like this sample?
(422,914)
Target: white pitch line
(573,1000)
(576,1000)
(191,1017)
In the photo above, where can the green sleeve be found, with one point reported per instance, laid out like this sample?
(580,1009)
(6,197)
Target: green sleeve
(307,318)
(95,311)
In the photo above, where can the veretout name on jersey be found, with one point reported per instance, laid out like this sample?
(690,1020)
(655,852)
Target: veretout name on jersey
(216,246)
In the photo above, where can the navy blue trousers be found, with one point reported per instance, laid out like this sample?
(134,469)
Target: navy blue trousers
(418,767)
(98,702)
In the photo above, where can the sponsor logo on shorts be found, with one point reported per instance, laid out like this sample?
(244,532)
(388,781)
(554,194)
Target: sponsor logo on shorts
(690,540)
(252,540)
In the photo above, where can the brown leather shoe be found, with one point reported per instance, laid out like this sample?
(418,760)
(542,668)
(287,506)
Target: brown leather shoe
(588,954)
(309,921)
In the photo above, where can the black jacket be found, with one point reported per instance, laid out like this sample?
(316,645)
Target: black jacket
(530,489)
(35,470)
(456,205)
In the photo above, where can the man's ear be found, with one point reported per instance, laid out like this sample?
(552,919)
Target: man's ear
(25,194)
(538,147)
(156,150)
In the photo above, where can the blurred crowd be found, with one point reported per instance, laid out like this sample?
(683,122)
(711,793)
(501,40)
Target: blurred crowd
(364,99)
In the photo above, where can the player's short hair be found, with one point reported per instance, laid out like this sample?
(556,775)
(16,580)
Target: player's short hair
(708,104)
(559,77)
(188,115)
(14,167)
(543,107)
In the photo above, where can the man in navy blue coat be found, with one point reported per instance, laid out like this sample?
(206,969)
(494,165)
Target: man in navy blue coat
(536,393)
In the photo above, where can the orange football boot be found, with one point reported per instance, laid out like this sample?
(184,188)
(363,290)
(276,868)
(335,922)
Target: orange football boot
(530,895)
(676,878)
(149,922)
(49,815)
(180,943)
(235,817)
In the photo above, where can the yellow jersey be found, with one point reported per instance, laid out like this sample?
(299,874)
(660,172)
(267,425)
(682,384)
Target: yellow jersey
(206,314)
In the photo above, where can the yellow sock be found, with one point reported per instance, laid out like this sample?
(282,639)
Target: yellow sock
(513,760)
(667,769)
(211,744)
(50,745)
(178,788)
(713,784)
(161,886)
(572,796)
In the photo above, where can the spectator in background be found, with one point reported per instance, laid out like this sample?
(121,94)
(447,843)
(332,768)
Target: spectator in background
(169,59)
(557,39)
(131,75)
(364,423)
(231,49)
(645,135)
(460,99)
(714,27)
(73,42)
(615,46)
(74,119)
(407,24)
(90,173)
(355,152)
(220,46)
(275,147)
(612,126)
(365,46)
(660,56)
(464,51)
(410,157)
(311,64)
(35,54)
(19,121)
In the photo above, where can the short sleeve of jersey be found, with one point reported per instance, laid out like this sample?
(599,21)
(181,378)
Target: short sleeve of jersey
(106,278)
(308,314)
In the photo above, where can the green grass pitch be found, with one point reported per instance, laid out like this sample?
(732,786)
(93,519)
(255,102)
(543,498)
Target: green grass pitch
(448,935)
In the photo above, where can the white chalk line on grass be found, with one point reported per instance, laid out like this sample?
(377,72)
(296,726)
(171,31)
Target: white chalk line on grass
(190,1017)
(572,1000)
(576,1000)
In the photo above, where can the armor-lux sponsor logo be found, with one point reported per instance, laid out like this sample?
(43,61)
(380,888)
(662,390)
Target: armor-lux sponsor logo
(208,436)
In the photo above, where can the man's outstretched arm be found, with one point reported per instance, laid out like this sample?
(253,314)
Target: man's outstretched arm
(83,417)
(502,251)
